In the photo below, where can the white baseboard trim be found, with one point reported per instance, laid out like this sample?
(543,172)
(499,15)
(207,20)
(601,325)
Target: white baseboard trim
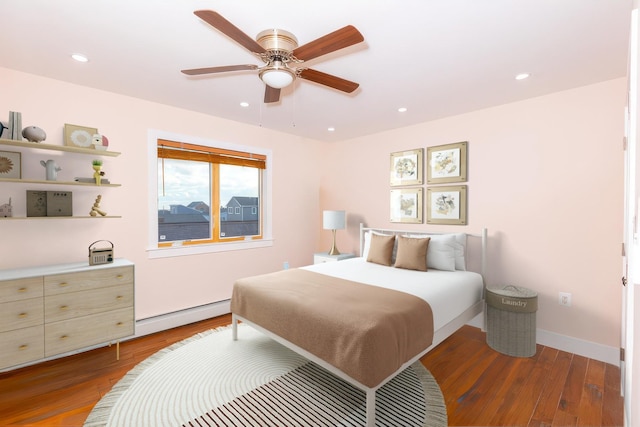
(163,322)
(569,344)
(592,350)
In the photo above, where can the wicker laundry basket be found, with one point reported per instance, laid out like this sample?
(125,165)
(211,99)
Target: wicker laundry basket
(511,320)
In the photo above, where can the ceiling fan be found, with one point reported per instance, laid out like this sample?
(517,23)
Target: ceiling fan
(280,52)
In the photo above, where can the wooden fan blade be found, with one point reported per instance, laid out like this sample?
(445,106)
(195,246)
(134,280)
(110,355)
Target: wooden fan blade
(218,22)
(224,69)
(328,80)
(337,40)
(271,94)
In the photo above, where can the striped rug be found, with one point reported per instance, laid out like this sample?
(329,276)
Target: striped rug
(211,380)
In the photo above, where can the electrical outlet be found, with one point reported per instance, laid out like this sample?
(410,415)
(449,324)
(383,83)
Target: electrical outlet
(565,299)
(285,265)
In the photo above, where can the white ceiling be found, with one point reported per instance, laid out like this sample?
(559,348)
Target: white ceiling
(435,57)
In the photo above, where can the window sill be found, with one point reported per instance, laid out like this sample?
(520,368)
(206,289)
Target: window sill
(175,251)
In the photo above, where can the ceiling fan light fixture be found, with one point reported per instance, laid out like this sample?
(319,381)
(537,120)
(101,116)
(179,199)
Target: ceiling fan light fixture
(277,76)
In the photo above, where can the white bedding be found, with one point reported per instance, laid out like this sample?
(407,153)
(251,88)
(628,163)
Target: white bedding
(448,292)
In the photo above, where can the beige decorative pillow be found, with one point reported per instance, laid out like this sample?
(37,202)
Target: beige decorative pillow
(381,249)
(412,253)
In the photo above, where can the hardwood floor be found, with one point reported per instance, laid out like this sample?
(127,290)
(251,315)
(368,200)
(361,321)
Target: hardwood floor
(480,386)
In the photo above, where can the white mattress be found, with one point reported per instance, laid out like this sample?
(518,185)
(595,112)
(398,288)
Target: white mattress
(449,293)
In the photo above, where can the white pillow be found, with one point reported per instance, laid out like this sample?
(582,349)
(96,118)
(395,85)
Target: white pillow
(441,253)
(460,246)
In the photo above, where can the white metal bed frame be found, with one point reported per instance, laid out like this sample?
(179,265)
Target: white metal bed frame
(439,335)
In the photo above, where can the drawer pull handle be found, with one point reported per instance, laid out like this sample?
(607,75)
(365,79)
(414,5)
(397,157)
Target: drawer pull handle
(119,324)
(64,307)
(22,290)
(22,315)
(64,337)
(119,276)
(23,347)
(63,284)
(119,297)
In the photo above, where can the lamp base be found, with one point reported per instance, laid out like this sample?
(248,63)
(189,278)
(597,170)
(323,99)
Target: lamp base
(334,250)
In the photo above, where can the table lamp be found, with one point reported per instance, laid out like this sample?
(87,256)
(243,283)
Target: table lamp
(333,220)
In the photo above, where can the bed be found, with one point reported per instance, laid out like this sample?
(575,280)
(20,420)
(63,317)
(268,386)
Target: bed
(366,319)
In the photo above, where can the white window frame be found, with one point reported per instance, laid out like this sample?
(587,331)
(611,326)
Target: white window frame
(153,250)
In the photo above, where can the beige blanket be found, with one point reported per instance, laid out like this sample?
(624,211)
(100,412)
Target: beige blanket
(366,331)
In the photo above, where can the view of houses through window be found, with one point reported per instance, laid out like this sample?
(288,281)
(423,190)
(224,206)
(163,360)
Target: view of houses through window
(201,200)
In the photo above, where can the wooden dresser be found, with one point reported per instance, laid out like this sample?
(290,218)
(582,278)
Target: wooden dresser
(55,310)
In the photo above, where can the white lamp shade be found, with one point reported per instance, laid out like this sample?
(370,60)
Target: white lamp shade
(333,220)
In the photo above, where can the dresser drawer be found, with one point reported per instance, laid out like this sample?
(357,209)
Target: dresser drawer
(86,280)
(21,314)
(17,289)
(76,304)
(74,334)
(21,346)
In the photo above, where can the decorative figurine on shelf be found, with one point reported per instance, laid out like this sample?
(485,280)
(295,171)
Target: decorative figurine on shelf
(52,169)
(100,142)
(98,174)
(95,209)
(6,210)
(34,134)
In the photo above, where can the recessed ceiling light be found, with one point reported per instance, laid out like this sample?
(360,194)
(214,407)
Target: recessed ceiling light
(402,109)
(522,76)
(331,129)
(244,104)
(80,58)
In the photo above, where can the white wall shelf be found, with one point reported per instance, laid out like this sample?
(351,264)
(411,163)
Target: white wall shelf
(44,181)
(62,148)
(66,148)
(11,218)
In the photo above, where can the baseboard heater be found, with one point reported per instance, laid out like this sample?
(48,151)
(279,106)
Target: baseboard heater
(162,322)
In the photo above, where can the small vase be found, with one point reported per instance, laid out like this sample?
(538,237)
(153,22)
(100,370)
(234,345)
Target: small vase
(96,174)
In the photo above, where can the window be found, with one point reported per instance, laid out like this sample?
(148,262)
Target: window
(207,194)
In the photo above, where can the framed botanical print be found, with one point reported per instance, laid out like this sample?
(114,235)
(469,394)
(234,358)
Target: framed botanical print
(447,205)
(406,168)
(447,163)
(406,205)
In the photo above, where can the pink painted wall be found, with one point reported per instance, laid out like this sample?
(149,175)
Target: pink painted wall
(545,176)
(162,285)
(546,179)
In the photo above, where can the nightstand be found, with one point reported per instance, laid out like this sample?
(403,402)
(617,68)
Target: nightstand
(321,257)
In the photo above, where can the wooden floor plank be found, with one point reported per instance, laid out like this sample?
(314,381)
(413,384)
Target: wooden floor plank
(520,404)
(612,399)
(572,392)
(480,385)
(550,396)
(590,410)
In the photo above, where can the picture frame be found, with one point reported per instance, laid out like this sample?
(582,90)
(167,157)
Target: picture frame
(447,205)
(406,167)
(406,205)
(447,163)
(79,136)
(10,165)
